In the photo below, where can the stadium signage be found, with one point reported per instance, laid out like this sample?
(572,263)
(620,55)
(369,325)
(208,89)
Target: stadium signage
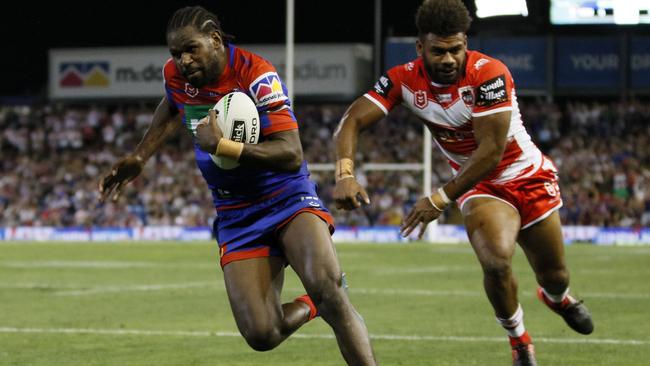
(106,72)
(525,56)
(523,62)
(378,234)
(587,62)
(590,62)
(341,70)
(130,74)
(639,76)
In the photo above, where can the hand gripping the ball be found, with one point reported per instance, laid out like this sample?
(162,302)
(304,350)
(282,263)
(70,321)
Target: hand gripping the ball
(208,133)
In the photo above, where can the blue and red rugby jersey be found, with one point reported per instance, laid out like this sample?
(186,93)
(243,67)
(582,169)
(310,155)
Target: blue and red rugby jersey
(251,74)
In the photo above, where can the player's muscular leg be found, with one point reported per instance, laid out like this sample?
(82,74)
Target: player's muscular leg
(492,228)
(254,287)
(544,248)
(308,246)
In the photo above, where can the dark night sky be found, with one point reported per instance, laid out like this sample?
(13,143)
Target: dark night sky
(29,29)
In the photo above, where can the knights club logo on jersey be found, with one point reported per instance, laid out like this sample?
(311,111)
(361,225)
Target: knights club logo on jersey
(267,89)
(492,92)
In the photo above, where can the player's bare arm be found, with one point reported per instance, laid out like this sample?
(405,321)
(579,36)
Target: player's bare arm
(361,114)
(165,123)
(281,151)
(491,133)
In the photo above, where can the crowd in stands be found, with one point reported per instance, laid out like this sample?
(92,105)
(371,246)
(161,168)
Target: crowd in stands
(54,155)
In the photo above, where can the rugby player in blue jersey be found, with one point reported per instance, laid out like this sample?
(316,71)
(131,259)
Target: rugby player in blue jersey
(268,212)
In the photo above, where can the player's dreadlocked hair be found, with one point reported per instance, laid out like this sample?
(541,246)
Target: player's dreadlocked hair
(442,17)
(199,18)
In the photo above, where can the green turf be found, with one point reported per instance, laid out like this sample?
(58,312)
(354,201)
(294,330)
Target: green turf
(433,292)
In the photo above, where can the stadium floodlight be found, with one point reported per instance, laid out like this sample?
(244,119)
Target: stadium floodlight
(491,8)
(600,12)
(626,12)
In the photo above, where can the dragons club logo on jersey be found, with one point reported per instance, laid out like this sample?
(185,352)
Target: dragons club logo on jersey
(267,89)
(467,95)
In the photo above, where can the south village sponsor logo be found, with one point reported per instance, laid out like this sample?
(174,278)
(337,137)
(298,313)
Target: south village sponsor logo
(94,74)
(492,92)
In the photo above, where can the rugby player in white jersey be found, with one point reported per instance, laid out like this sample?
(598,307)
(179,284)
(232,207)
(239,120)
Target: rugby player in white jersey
(506,188)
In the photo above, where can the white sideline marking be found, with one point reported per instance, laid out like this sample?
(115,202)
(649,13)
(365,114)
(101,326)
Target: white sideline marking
(421,292)
(81,289)
(108,243)
(37,286)
(101,264)
(192,265)
(389,337)
(427,269)
(108,289)
(395,291)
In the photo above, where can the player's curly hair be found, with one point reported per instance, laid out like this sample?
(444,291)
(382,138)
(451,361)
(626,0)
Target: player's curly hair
(198,17)
(442,17)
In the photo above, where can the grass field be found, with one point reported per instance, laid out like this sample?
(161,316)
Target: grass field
(165,304)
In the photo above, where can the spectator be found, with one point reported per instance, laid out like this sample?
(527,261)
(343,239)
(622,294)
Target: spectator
(51,156)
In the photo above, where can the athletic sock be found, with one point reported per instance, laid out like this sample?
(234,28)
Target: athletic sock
(523,339)
(515,324)
(313,312)
(560,300)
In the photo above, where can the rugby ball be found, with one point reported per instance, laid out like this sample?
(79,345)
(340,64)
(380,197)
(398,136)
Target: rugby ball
(239,121)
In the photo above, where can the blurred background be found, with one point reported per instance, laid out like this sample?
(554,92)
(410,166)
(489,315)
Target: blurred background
(81,80)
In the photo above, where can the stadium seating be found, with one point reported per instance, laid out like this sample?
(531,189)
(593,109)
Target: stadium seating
(54,154)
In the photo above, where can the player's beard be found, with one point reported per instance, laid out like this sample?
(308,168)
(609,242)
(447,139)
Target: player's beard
(441,77)
(207,74)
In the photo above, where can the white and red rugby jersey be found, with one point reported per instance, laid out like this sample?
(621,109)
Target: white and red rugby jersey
(485,87)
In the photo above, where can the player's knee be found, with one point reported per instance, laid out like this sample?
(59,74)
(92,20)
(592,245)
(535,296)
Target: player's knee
(329,296)
(322,283)
(262,339)
(498,270)
(554,279)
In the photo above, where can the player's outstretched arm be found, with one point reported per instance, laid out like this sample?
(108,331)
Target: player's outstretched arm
(348,193)
(164,124)
(491,134)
